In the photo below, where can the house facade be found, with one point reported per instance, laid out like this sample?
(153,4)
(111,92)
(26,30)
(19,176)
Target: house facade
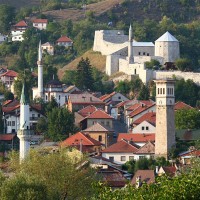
(40,24)
(48,47)
(64,41)
(18,30)
(8,77)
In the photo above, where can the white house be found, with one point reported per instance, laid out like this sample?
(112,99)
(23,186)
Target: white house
(144,127)
(8,78)
(64,41)
(120,152)
(48,47)
(40,24)
(18,30)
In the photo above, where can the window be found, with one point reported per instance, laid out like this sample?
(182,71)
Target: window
(158,90)
(142,127)
(102,122)
(147,54)
(141,157)
(163,90)
(168,91)
(38,115)
(107,123)
(100,138)
(119,97)
(111,158)
(131,157)
(59,97)
(143,53)
(147,128)
(13,123)
(46,97)
(139,53)
(123,158)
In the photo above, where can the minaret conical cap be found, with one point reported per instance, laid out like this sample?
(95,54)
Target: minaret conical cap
(24,95)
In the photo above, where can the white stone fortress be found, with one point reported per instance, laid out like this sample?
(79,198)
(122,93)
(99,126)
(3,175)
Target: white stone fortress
(124,54)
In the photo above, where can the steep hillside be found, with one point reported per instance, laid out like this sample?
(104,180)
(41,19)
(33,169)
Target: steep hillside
(20,3)
(96,60)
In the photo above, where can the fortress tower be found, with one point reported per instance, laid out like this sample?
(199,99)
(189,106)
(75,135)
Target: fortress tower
(165,124)
(24,133)
(40,73)
(130,46)
(167,46)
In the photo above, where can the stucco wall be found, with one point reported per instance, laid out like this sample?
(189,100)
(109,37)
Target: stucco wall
(138,128)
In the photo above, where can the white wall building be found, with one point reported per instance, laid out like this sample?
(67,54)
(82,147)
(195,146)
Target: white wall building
(40,24)
(144,127)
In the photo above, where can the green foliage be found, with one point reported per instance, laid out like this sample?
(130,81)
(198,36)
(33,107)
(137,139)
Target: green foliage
(41,126)
(8,95)
(60,124)
(1,120)
(69,77)
(187,119)
(144,93)
(187,91)
(84,79)
(184,64)
(153,64)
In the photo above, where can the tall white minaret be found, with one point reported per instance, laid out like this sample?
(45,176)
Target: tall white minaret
(40,72)
(130,46)
(24,132)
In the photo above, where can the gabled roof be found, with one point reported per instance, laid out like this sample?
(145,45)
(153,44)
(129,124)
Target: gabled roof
(99,114)
(88,110)
(149,117)
(40,21)
(133,107)
(147,176)
(121,147)
(64,39)
(139,110)
(80,138)
(10,73)
(71,87)
(7,137)
(136,137)
(47,44)
(98,128)
(191,153)
(169,170)
(148,148)
(181,105)
(107,96)
(122,103)
(84,98)
(167,37)
(21,23)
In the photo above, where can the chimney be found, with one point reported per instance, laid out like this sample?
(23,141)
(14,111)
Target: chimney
(157,168)
(138,181)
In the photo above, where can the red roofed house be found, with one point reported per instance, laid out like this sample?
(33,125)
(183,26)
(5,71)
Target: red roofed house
(11,114)
(168,170)
(139,139)
(8,78)
(145,124)
(98,116)
(18,31)
(186,157)
(8,142)
(181,105)
(76,102)
(120,152)
(64,41)
(40,24)
(82,142)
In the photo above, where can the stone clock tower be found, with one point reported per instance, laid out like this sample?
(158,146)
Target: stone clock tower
(165,122)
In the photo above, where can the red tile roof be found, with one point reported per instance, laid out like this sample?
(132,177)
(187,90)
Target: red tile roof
(121,147)
(98,128)
(7,137)
(64,39)
(135,137)
(140,110)
(170,170)
(40,21)
(122,103)
(78,138)
(6,102)
(181,105)
(149,117)
(147,102)
(21,23)
(10,108)
(148,148)
(147,176)
(87,110)
(107,96)
(192,153)
(133,107)
(10,73)
(99,114)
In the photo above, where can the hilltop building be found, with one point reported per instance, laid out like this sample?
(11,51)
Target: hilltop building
(124,54)
(40,24)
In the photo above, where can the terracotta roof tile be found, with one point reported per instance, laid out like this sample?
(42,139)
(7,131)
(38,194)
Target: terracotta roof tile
(192,153)
(170,170)
(140,110)
(20,24)
(149,117)
(10,73)
(107,96)
(148,148)
(7,137)
(99,114)
(121,147)
(133,107)
(147,176)
(78,138)
(40,21)
(87,110)
(64,39)
(135,137)
(181,105)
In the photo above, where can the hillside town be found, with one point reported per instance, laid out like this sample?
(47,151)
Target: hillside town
(122,131)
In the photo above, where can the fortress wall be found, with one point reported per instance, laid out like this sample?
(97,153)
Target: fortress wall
(185,75)
(112,64)
(142,59)
(143,51)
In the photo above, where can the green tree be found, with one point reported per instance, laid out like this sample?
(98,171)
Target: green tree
(153,64)
(1,120)
(8,95)
(84,78)
(183,64)
(69,77)
(41,126)
(144,93)
(51,104)
(60,123)
(187,119)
